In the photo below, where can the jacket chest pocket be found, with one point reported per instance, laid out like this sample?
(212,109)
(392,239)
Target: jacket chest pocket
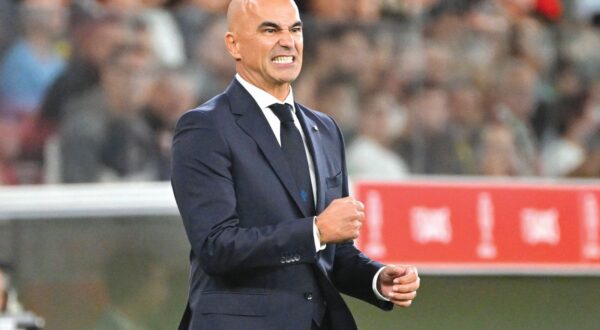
(334,187)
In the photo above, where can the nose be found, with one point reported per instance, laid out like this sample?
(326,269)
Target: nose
(286,39)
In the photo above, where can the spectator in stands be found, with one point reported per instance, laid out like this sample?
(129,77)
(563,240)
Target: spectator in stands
(338,96)
(384,56)
(93,38)
(486,43)
(534,44)
(94,35)
(567,83)
(591,166)
(354,43)
(172,94)
(438,64)
(520,62)
(581,46)
(516,92)
(193,16)
(167,41)
(211,64)
(32,63)
(410,67)
(467,118)
(578,121)
(497,156)
(103,136)
(429,148)
(369,156)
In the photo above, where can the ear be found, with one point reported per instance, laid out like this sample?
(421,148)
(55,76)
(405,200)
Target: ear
(232,45)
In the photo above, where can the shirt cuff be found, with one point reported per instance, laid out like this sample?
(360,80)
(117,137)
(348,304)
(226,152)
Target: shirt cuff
(377,294)
(317,237)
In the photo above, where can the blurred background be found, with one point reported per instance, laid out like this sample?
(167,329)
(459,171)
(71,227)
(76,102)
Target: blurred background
(90,91)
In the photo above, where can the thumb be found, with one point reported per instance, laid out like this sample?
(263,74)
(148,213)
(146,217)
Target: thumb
(394,271)
(410,270)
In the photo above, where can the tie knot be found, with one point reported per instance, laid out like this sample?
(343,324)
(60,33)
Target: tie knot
(283,112)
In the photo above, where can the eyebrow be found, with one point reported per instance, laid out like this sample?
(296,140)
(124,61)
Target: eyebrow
(269,24)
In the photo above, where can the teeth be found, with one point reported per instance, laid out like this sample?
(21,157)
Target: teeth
(283,59)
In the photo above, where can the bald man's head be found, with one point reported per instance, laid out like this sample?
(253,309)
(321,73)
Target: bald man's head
(235,12)
(239,8)
(265,39)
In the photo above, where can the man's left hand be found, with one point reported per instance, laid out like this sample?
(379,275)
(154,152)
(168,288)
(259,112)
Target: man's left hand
(399,284)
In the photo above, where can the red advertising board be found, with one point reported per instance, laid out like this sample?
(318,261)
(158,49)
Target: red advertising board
(453,227)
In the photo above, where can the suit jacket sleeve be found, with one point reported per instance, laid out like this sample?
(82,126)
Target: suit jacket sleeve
(204,188)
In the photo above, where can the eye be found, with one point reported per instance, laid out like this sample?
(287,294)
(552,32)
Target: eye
(269,30)
(296,29)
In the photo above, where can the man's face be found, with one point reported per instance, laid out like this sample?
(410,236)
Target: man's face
(127,80)
(267,43)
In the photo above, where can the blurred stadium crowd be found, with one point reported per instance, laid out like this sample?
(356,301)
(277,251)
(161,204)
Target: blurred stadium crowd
(90,89)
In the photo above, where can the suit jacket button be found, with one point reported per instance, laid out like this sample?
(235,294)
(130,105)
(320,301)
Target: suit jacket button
(308,296)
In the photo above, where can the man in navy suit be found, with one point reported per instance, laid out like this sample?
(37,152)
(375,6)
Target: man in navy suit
(271,230)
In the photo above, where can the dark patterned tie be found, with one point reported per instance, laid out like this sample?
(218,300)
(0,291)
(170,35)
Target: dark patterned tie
(293,148)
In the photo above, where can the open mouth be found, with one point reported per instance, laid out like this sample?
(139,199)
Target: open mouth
(283,59)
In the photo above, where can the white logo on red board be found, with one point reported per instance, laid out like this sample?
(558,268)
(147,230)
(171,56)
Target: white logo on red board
(431,225)
(374,207)
(540,226)
(591,241)
(486,249)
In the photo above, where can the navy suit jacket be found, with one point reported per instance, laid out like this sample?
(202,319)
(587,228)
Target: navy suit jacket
(253,259)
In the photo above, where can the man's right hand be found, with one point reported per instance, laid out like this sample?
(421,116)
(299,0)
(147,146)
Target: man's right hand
(341,220)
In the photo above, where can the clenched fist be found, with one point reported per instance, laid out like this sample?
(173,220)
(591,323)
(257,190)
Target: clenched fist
(399,284)
(341,220)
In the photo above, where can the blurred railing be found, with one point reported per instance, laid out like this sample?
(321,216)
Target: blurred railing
(41,202)
(71,247)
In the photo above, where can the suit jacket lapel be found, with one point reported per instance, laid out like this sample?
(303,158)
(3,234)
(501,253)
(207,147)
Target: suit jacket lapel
(313,139)
(251,119)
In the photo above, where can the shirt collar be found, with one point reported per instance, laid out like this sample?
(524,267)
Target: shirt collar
(262,98)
